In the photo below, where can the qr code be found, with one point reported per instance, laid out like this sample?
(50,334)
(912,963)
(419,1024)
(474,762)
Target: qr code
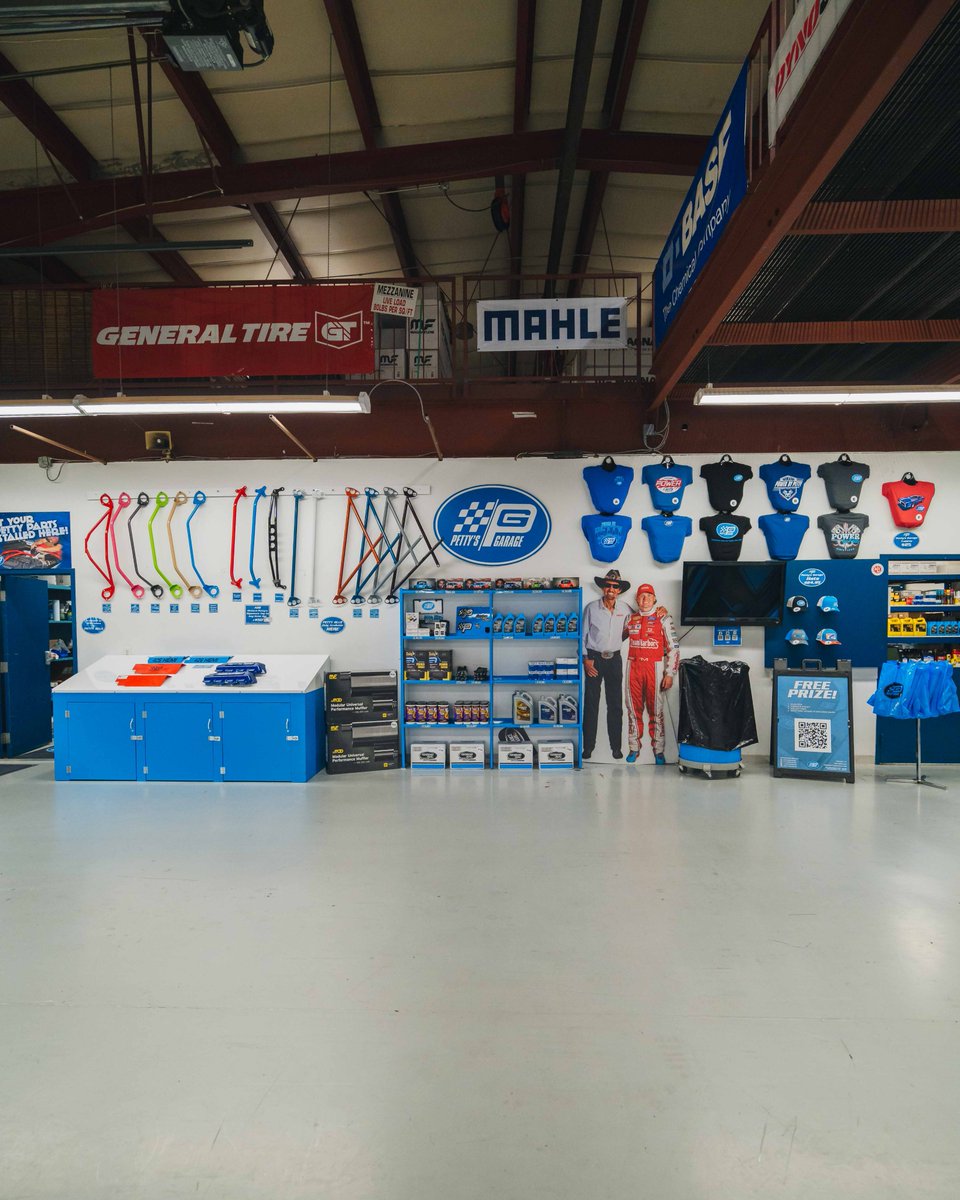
(812,735)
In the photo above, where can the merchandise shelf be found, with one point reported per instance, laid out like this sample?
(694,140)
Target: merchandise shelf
(930,607)
(550,680)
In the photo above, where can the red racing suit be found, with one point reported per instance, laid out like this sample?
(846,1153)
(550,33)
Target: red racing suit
(654,649)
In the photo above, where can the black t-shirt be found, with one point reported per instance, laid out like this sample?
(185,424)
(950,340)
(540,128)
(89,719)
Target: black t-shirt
(844,481)
(725,536)
(725,480)
(843,533)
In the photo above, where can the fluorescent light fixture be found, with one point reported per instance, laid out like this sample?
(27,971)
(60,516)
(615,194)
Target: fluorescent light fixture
(524,416)
(836,395)
(186,406)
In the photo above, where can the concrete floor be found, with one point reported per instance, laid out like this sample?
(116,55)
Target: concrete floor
(617,983)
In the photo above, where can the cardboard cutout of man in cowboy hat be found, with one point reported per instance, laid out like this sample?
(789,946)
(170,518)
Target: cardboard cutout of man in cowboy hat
(604,625)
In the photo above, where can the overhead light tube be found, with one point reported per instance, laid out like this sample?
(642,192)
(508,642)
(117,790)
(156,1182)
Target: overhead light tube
(827,395)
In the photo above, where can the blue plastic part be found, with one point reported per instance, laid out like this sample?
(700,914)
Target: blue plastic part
(702,754)
(212,590)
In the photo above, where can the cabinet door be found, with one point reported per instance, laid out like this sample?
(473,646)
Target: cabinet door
(256,739)
(25,681)
(96,738)
(181,739)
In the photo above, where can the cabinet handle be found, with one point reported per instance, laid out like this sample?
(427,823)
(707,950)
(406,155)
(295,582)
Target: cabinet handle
(131,724)
(287,724)
(209,725)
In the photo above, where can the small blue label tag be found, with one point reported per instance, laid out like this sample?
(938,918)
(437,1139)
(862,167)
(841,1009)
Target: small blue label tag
(194,608)
(213,608)
(134,608)
(313,613)
(257,597)
(106,608)
(374,613)
(906,540)
(279,598)
(93,625)
(293,612)
(358,612)
(154,608)
(237,597)
(174,608)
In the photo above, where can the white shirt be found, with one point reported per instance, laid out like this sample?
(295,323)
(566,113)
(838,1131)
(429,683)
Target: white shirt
(603,629)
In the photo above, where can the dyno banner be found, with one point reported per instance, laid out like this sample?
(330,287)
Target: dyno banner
(190,333)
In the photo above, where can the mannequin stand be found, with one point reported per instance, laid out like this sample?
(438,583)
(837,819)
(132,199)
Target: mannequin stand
(918,780)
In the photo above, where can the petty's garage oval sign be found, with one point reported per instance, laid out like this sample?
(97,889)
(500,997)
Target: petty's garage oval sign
(492,525)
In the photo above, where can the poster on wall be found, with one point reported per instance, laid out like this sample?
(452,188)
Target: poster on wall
(587,323)
(38,541)
(189,333)
(812,735)
(493,525)
(813,24)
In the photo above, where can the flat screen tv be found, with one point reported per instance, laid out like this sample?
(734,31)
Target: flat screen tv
(716,593)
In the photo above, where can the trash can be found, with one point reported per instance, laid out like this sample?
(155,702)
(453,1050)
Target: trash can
(716,715)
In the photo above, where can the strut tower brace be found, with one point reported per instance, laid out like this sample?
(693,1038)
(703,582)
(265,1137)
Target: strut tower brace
(350,493)
(273,541)
(257,497)
(142,501)
(176,591)
(195,590)
(107,574)
(212,590)
(241,491)
(123,501)
(293,600)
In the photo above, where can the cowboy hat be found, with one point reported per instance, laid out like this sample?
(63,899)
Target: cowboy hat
(611,577)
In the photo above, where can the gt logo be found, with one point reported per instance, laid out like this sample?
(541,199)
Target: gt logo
(338,332)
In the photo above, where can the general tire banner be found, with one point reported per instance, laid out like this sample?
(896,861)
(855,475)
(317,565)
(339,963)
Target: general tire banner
(196,333)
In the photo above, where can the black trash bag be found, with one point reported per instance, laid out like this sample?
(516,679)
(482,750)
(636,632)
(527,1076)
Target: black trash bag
(716,705)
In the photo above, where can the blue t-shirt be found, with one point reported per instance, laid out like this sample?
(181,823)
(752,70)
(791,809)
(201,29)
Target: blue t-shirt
(606,535)
(784,533)
(608,484)
(666,483)
(785,479)
(666,534)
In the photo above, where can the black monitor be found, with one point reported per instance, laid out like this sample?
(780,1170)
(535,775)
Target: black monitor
(717,593)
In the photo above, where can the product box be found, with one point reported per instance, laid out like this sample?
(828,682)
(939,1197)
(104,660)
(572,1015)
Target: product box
(431,756)
(515,756)
(467,756)
(440,629)
(440,660)
(391,363)
(345,685)
(363,746)
(547,710)
(341,711)
(414,661)
(568,709)
(429,606)
(411,624)
(556,755)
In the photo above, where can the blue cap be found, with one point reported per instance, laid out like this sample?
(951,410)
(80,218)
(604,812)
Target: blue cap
(797,637)
(797,604)
(828,637)
(828,604)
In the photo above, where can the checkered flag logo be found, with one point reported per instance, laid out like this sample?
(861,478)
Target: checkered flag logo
(475,517)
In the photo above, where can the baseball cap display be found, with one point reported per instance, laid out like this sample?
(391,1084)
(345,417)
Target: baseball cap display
(797,604)
(797,637)
(666,483)
(844,481)
(666,533)
(785,479)
(784,533)
(725,535)
(609,484)
(843,533)
(909,500)
(828,604)
(606,535)
(828,637)
(725,480)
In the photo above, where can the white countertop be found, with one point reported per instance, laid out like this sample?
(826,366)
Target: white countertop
(285,673)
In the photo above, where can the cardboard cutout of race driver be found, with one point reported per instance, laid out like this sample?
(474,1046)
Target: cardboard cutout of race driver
(652,662)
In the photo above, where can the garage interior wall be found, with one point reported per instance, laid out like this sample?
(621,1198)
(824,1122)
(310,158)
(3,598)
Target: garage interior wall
(367,642)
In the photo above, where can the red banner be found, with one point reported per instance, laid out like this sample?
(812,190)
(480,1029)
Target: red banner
(188,333)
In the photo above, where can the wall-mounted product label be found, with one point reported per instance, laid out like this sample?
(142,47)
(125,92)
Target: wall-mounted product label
(174,608)
(134,608)
(332,625)
(358,612)
(213,608)
(906,540)
(727,635)
(492,525)
(93,625)
(194,608)
(258,597)
(313,613)
(154,608)
(812,577)
(257,614)
(106,608)
(38,541)
(236,597)
(590,323)
(293,613)
(374,613)
(279,598)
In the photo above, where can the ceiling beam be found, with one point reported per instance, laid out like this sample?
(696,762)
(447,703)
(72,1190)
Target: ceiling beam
(823,218)
(522,88)
(54,209)
(33,112)
(832,333)
(212,126)
(942,368)
(629,28)
(353,60)
(859,67)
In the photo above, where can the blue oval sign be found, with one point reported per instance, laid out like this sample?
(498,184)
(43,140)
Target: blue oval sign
(492,525)
(93,625)
(333,625)
(727,531)
(812,577)
(906,540)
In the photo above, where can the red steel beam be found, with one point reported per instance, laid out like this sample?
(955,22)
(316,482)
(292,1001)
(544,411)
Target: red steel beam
(522,87)
(832,333)
(823,218)
(346,35)
(868,54)
(942,368)
(54,209)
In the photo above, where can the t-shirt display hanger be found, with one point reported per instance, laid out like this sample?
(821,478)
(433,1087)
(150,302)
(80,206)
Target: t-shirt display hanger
(725,535)
(725,480)
(666,533)
(843,533)
(785,479)
(844,481)
(606,535)
(909,500)
(666,483)
(784,533)
(609,484)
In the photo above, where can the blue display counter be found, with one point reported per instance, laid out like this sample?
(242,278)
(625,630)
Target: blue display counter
(272,731)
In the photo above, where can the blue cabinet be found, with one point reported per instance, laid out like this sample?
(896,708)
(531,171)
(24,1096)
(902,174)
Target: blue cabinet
(180,740)
(257,737)
(96,738)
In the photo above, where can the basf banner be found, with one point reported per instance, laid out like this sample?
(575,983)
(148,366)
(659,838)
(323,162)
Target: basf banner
(492,525)
(187,333)
(595,323)
(36,541)
(811,27)
(719,186)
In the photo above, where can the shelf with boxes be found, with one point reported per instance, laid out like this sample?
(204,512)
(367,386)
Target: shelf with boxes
(494,660)
(922,607)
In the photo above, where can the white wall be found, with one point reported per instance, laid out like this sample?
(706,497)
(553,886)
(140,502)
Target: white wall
(367,643)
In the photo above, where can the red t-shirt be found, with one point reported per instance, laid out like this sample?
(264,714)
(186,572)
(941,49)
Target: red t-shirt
(909,502)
